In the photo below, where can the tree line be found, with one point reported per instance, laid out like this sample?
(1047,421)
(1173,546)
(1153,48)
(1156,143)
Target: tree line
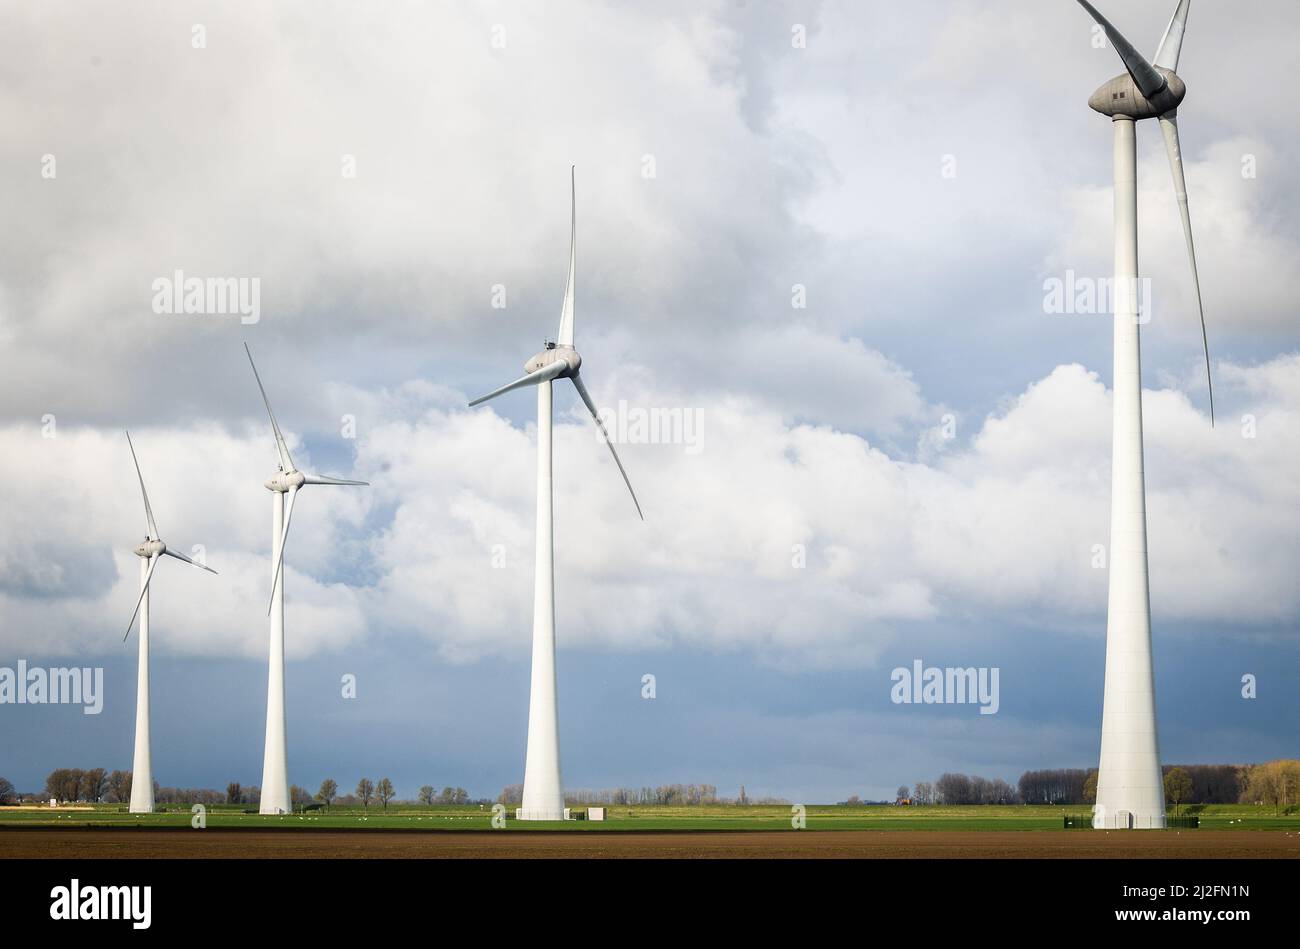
(98,786)
(1275,783)
(669,795)
(93,785)
(1272,783)
(665,795)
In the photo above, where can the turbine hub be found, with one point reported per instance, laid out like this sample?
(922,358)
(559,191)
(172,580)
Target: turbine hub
(1121,96)
(282,481)
(150,548)
(553,354)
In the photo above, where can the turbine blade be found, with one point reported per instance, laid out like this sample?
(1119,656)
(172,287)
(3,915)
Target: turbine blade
(144,588)
(1169,125)
(1143,73)
(284,536)
(532,379)
(1172,43)
(286,463)
(326,479)
(591,407)
(194,563)
(148,511)
(565,337)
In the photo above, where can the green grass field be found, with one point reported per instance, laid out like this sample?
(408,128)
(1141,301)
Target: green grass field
(634,818)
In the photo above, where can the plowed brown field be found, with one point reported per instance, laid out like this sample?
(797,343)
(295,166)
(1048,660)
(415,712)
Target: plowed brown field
(215,844)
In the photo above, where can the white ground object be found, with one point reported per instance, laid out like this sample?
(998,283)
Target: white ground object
(285,482)
(543,797)
(1130,790)
(149,550)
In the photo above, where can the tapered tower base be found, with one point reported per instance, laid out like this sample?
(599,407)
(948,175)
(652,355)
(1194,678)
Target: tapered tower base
(1130,790)
(543,788)
(275,761)
(142,763)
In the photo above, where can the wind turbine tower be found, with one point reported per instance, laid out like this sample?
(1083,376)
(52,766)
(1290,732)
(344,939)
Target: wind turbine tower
(284,486)
(1130,788)
(543,797)
(149,551)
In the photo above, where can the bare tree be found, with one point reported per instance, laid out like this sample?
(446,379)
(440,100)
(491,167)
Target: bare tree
(234,793)
(426,794)
(954,789)
(119,786)
(7,794)
(1178,786)
(384,791)
(94,783)
(365,792)
(1274,782)
(64,784)
(329,789)
(1053,786)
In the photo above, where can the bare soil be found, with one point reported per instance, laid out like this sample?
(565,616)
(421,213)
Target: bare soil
(215,843)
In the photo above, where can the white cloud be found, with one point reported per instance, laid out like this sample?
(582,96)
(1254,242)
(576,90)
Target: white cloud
(1005,523)
(231,165)
(774,166)
(69,579)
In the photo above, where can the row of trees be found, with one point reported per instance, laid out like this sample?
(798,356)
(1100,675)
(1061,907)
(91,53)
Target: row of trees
(1275,783)
(96,786)
(973,789)
(367,791)
(1055,786)
(1216,783)
(665,795)
(675,795)
(428,795)
(92,785)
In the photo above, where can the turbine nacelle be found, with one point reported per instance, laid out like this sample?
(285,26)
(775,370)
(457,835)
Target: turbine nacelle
(284,481)
(150,547)
(552,354)
(1151,89)
(559,360)
(1121,96)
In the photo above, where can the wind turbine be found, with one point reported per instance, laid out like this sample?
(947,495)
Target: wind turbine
(543,797)
(149,551)
(1130,791)
(286,481)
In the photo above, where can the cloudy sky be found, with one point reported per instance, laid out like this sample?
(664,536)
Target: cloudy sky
(823,231)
